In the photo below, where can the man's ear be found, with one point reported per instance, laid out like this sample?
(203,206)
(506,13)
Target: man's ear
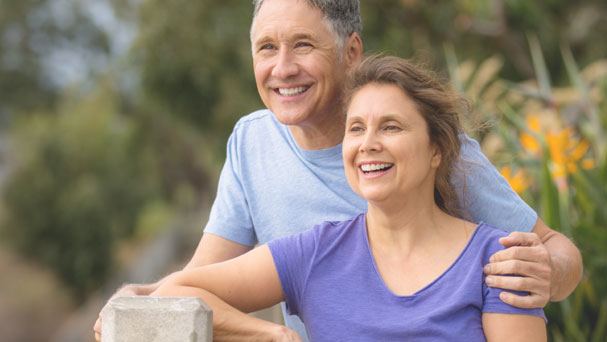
(353,51)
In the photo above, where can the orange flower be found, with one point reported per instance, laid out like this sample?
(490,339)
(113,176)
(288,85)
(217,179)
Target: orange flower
(528,142)
(566,151)
(518,181)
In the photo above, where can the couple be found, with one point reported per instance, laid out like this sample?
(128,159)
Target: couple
(404,270)
(284,171)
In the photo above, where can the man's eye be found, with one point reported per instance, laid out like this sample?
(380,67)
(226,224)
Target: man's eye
(392,128)
(266,47)
(303,44)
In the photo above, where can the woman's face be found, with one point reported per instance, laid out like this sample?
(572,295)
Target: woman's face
(386,149)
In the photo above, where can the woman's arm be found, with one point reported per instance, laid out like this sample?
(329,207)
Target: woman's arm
(245,284)
(500,327)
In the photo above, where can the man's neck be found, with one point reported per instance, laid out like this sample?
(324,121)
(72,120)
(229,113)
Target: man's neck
(319,136)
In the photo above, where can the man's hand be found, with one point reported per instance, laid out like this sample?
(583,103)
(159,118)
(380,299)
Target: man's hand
(525,255)
(124,291)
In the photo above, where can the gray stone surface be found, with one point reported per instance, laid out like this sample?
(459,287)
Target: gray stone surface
(157,319)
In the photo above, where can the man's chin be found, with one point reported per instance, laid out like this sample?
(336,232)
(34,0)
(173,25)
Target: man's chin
(290,118)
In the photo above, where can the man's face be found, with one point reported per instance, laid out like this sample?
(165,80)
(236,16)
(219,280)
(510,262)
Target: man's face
(298,74)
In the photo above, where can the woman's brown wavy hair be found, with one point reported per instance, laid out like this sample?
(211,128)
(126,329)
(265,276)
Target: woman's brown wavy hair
(438,105)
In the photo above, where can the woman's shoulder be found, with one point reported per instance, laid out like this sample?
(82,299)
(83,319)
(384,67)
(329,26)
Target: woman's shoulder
(490,231)
(332,228)
(486,238)
(482,239)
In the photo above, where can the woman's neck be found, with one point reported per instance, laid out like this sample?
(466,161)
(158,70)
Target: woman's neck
(406,226)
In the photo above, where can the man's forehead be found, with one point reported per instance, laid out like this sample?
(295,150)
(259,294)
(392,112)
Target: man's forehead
(288,22)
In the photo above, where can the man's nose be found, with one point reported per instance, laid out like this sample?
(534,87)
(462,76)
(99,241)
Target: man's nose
(286,65)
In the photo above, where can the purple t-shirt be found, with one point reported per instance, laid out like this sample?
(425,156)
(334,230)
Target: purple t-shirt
(330,281)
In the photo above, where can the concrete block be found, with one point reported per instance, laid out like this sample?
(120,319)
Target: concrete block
(156,319)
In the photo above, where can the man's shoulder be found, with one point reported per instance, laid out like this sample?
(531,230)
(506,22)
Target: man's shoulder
(258,117)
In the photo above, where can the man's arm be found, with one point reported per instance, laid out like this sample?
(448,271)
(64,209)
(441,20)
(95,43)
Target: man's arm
(549,263)
(214,248)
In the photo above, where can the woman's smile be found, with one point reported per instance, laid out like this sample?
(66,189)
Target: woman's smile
(375,169)
(387,149)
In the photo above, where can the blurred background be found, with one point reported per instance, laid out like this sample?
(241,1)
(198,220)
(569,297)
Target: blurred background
(114,116)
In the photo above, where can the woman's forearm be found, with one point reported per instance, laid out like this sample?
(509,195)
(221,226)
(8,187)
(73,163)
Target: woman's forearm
(231,288)
(229,324)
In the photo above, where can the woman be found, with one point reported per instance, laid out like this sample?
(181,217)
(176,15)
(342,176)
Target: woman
(402,271)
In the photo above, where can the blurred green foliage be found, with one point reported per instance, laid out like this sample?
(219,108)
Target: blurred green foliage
(104,144)
(195,60)
(84,178)
(79,180)
(552,144)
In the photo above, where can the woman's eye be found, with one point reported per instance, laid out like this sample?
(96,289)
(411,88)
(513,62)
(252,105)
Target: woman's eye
(356,129)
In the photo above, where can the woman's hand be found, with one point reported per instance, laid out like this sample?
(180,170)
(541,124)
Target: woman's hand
(281,333)
(124,291)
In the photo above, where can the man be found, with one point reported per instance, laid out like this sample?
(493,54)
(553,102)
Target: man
(284,172)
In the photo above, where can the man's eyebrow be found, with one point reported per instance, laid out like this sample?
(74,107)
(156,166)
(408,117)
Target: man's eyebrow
(263,40)
(298,36)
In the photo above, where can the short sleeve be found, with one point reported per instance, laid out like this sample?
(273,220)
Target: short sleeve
(230,217)
(484,193)
(293,257)
(491,301)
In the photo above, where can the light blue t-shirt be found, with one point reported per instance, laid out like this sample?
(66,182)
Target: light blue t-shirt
(330,279)
(270,187)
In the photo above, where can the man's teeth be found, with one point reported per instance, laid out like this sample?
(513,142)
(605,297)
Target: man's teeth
(291,91)
(374,167)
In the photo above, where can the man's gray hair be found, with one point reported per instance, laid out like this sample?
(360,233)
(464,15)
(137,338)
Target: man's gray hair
(343,17)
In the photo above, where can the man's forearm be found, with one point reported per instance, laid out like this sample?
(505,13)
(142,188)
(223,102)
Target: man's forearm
(566,262)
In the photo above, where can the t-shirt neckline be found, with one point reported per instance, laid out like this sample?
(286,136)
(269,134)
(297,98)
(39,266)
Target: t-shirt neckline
(430,284)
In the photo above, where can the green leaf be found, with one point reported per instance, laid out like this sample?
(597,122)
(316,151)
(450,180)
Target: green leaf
(539,65)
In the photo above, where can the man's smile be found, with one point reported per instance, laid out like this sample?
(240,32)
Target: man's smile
(292,91)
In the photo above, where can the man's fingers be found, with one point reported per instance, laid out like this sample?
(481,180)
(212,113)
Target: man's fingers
(525,302)
(535,254)
(538,290)
(520,239)
(522,284)
(519,267)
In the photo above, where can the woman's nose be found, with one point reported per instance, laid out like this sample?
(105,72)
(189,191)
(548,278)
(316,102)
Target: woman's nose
(370,142)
